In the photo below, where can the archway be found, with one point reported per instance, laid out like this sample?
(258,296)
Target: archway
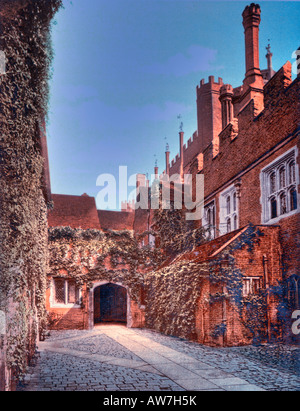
(110,304)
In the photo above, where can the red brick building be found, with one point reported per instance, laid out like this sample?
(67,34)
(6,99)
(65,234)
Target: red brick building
(247,147)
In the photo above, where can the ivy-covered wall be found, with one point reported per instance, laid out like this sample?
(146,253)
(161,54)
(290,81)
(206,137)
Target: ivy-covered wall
(196,294)
(25,40)
(200,296)
(91,256)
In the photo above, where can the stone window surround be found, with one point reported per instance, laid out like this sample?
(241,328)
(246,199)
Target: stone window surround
(233,215)
(251,289)
(91,303)
(283,160)
(53,303)
(205,223)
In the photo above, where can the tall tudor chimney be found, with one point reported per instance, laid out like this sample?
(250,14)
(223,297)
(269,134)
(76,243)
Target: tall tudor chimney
(251,21)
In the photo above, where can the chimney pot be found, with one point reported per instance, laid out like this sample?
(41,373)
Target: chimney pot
(251,21)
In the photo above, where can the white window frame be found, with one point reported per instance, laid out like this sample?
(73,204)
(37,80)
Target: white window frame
(251,283)
(151,241)
(54,304)
(211,229)
(266,195)
(229,192)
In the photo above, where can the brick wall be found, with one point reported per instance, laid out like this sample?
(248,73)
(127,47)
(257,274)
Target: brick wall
(82,318)
(258,257)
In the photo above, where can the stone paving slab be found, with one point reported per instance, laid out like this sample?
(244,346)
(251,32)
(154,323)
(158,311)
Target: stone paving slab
(171,363)
(271,376)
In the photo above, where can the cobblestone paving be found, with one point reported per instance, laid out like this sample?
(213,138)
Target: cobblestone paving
(272,368)
(101,344)
(57,372)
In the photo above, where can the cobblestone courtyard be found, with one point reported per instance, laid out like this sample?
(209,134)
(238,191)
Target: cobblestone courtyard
(114,358)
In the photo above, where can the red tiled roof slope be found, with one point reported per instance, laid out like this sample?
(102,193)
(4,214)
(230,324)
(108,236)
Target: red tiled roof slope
(116,220)
(74,211)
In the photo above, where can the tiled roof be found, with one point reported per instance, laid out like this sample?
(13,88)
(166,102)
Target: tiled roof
(74,211)
(116,220)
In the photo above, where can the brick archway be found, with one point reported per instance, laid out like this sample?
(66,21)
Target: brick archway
(109,290)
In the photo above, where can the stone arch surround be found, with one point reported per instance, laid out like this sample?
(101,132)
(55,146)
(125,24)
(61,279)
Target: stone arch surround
(91,302)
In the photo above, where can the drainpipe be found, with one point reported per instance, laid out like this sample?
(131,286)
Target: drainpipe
(238,187)
(224,315)
(267,284)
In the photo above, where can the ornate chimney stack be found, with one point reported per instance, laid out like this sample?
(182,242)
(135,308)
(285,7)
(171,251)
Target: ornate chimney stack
(251,21)
(226,94)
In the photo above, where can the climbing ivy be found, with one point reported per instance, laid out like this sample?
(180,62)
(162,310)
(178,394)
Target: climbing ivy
(25,40)
(91,255)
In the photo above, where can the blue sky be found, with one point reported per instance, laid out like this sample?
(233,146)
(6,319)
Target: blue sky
(124,69)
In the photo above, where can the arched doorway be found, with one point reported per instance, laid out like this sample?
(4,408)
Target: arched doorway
(110,304)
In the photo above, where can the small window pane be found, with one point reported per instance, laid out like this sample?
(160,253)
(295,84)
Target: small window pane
(256,285)
(272,183)
(209,217)
(273,208)
(282,177)
(283,207)
(234,202)
(71,292)
(213,217)
(228,206)
(246,287)
(59,291)
(235,223)
(228,225)
(292,172)
(293,199)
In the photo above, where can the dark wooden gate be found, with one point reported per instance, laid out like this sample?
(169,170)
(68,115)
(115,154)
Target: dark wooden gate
(110,304)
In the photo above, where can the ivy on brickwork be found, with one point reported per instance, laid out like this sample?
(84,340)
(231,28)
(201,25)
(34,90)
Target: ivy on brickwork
(91,255)
(174,233)
(252,309)
(25,41)
(172,292)
(172,295)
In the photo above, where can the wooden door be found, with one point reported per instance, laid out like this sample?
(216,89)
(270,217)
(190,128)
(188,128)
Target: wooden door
(110,304)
